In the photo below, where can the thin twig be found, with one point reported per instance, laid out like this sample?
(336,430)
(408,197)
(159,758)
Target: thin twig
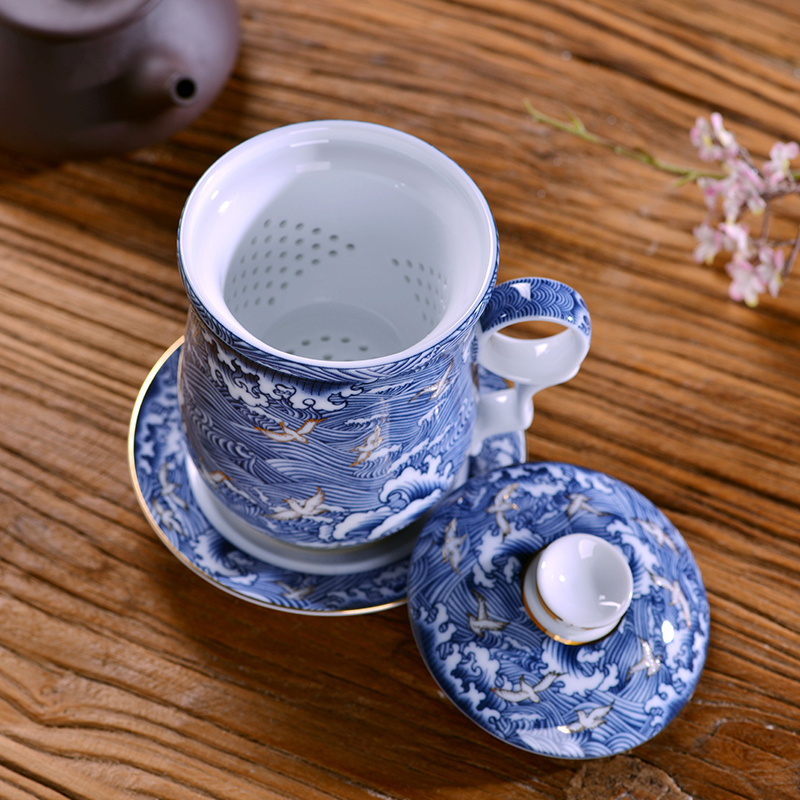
(577,128)
(789,263)
(766,218)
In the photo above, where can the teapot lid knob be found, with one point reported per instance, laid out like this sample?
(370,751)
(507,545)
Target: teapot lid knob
(578,588)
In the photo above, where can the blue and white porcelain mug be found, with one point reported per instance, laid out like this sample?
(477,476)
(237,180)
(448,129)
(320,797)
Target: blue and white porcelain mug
(341,280)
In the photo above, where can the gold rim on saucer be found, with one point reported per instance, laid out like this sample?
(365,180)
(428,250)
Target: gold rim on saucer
(164,537)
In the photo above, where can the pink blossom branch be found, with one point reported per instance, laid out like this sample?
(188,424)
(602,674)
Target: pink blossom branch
(756,265)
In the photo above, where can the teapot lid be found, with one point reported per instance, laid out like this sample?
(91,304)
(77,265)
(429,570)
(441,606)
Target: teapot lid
(69,19)
(559,609)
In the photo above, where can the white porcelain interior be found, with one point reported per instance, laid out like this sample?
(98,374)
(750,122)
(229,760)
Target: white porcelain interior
(338,241)
(578,588)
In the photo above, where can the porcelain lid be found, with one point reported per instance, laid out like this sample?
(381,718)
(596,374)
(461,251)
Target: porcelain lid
(483,609)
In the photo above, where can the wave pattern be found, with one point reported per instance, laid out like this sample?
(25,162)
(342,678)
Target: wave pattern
(541,297)
(159,456)
(374,453)
(466,608)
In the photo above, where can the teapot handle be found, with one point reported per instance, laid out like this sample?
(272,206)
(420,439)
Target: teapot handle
(531,364)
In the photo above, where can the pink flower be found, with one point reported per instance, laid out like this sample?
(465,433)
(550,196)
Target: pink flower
(725,138)
(712,190)
(737,238)
(770,268)
(746,285)
(744,187)
(753,268)
(777,169)
(700,136)
(710,242)
(713,142)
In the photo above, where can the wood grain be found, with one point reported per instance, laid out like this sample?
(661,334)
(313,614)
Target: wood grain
(123,675)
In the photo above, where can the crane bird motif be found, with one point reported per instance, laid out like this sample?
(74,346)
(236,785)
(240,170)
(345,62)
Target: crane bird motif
(526,691)
(658,533)
(587,720)
(370,444)
(435,390)
(649,663)
(580,502)
(288,435)
(451,549)
(298,509)
(481,622)
(676,596)
(500,505)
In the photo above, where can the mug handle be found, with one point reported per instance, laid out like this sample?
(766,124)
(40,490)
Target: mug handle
(531,364)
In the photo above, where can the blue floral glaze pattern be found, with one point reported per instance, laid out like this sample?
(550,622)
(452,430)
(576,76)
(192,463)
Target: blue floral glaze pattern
(500,668)
(158,454)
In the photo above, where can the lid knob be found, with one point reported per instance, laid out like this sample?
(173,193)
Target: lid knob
(578,588)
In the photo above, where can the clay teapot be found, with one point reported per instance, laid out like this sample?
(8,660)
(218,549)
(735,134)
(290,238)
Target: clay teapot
(84,78)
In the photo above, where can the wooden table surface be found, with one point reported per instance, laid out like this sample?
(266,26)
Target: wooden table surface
(125,675)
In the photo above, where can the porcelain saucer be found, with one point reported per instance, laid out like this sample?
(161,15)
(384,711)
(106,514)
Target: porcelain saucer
(161,477)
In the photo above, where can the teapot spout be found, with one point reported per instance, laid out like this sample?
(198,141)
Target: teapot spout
(159,81)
